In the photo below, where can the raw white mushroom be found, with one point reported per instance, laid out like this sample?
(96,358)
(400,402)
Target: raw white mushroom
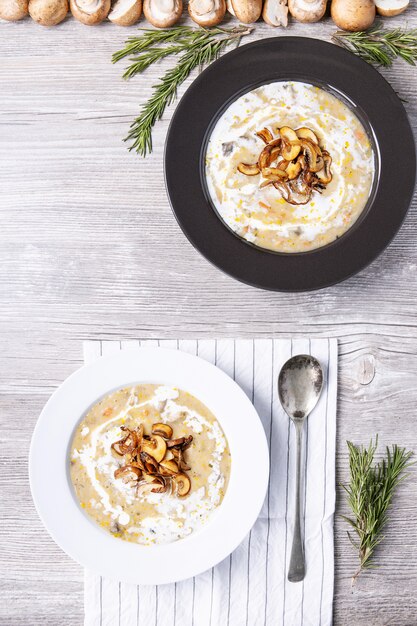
(126,12)
(90,12)
(207,12)
(48,12)
(353,15)
(307,10)
(247,11)
(388,8)
(162,13)
(275,12)
(13,10)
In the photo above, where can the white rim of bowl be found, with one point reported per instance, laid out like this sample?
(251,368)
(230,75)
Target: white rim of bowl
(91,546)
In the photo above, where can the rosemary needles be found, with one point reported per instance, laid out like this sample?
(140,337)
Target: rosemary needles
(380,46)
(194,47)
(370,493)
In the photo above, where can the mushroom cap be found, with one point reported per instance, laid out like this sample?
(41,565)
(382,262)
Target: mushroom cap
(48,12)
(275,12)
(229,7)
(90,12)
(307,10)
(162,13)
(389,8)
(353,15)
(207,12)
(247,11)
(126,12)
(13,10)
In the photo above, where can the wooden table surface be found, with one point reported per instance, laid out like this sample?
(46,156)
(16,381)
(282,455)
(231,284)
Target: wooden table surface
(89,249)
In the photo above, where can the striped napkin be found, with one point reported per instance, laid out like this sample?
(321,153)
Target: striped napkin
(250,587)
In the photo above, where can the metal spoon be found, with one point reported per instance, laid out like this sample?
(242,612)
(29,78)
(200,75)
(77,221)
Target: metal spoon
(300,383)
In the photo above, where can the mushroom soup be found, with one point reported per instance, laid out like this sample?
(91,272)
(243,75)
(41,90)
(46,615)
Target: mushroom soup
(150,464)
(289,167)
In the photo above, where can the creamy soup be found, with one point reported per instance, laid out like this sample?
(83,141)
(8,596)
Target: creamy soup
(260,214)
(144,487)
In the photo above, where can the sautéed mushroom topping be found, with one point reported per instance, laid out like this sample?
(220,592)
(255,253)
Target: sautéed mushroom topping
(153,463)
(293,162)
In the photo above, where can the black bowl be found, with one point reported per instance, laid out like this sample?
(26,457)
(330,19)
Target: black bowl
(369,96)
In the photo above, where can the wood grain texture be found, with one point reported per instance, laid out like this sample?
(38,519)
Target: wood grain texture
(89,249)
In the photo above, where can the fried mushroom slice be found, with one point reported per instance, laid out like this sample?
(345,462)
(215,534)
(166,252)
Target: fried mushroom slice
(168,467)
(155,446)
(181,462)
(283,189)
(163,430)
(247,169)
(266,135)
(149,463)
(155,486)
(293,169)
(300,192)
(182,484)
(182,443)
(160,484)
(143,489)
(128,473)
(306,133)
(265,158)
(128,444)
(175,443)
(274,174)
(207,12)
(187,443)
(90,12)
(312,155)
(291,145)
(275,153)
(162,13)
(325,175)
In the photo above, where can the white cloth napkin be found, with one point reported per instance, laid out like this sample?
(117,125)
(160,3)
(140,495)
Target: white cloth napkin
(250,587)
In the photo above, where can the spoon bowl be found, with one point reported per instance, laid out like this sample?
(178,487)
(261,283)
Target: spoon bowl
(299,385)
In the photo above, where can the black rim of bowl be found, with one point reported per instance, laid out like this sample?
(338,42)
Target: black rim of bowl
(368,95)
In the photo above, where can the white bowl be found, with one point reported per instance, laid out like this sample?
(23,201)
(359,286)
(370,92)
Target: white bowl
(85,541)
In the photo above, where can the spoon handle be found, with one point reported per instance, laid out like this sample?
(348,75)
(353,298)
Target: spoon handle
(296,570)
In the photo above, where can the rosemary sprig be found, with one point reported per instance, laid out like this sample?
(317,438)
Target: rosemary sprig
(149,38)
(370,493)
(196,47)
(380,46)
